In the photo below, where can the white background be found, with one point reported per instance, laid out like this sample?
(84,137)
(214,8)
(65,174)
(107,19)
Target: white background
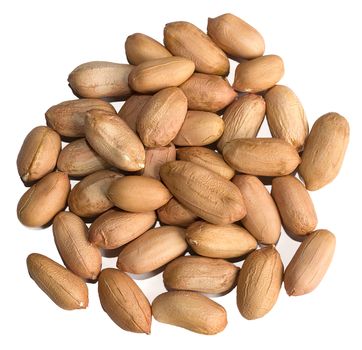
(42,41)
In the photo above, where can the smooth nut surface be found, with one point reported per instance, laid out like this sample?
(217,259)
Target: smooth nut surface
(174,213)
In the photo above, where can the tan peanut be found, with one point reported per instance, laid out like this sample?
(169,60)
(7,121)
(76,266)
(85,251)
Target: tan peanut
(174,213)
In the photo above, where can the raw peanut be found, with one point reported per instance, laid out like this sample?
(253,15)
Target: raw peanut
(100,79)
(207,158)
(295,205)
(205,193)
(258,74)
(79,159)
(174,213)
(156,157)
(236,37)
(115,228)
(141,48)
(261,156)
(88,197)
(219,241)
(38,154)
(155,75)
(78,254)
(199,129)
(67,118)
(186,40)
(190,310)
(131,109)
(199,274)
(67,290)
(324,151)
(310,263)
(242,119)
(42,201)
(124,301)
(209,93)
(259,283)
(152,250)
(262,219)
(161,117)
(138,194)
(285,116)
(114,141)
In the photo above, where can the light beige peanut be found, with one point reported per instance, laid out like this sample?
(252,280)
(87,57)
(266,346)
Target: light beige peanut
(242,119)
(236,37)
(67,290)
(42,201)
(124,301)
(114,141)
(310,263)
(258,74)
(261,156)
(155,75)
(138,194)
(161,117)
(199,274)
(190,310)
(324,151)
(186,40)
(174,213)
(199,129)
(152,250)
(219,241)
(99,79)
(38,154)
(71,238)
(115,228)
(262,219)
(259,283)
(205,193)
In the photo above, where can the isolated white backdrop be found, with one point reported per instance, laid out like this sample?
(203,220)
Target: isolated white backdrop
(42,41)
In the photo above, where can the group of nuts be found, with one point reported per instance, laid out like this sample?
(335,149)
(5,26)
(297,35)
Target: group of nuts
(175,96)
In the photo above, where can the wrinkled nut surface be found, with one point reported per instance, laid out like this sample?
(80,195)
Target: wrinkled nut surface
(174,213)
(99,79)
(208,93)
(155,75)
(205,193)
(199,274)
(138,194)
(190,310)
(67,118)
(79,159)
(285,116)
(186,40)
(152,250)
(199,129)
(310,263)
(242,119)
(219,241)
(261,156)
(66,289)
(115,228)
(259,283)
(38,154)
(78,254)
(161,117)
(295,205)
(258,74)
(236,37)
(124,301)
(114,141)
(262,219)
(141,48)
(324,151)
(88,197)
(42,201)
